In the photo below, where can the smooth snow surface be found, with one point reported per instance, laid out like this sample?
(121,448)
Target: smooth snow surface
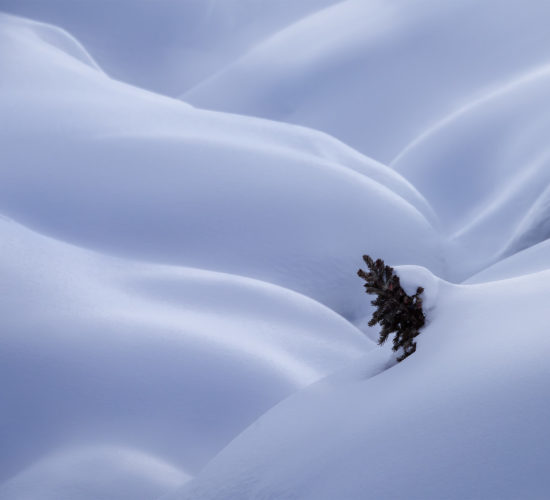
(376,73)
(111,349)
(92,474)
(138,174)
(180,313)
(464,417)
(529,261)
(495,153)
(167,45)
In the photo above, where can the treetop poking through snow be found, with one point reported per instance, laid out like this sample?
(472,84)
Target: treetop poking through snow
(397,312)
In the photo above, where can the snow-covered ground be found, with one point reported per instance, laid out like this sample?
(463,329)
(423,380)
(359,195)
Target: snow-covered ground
(186,191)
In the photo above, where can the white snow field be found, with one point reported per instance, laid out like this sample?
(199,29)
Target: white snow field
(166,45)
(120,169)
(92,473)
(500,141)
(96,349)
(180,313)
(376,73)
(465,417)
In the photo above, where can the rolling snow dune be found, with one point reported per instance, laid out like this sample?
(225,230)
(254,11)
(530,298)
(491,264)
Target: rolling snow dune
(172,360)
(166,45)
(122,170)
(180,312)
(168,360)
(465,417)
(531,260)
(375,73)
(485,169)
(51,36)
(92,474)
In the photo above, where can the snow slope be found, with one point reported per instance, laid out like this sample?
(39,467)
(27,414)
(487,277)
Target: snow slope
(92,474)
(464,417)
(119,169)
(166,45)
(177,286)
(486,169)
(375,73)
(171,360)
(531,260)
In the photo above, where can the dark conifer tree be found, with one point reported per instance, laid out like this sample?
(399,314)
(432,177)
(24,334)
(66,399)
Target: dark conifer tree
(396,311)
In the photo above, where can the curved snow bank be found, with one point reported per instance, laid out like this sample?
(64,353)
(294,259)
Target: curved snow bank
(528,261)
(119,169)
(94,473)
(411,277)
(535,225)
(52,36)
(465,417)
(376,74)
(171,360)
(166,46)
(485,169)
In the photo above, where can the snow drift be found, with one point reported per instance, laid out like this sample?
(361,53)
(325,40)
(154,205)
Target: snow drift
(376,74)
(94,473)
(172,360)
(166,45)
(485,170)
(178,291)
(122,170)
(464,417)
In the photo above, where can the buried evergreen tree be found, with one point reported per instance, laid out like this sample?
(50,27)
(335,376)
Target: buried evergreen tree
(395,310)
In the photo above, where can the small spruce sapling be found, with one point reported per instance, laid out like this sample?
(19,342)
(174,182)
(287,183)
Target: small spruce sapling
(396,311)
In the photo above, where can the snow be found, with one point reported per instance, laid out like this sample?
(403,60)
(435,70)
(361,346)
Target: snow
(166,45)
(92,473)
(500,141)
(203,189)
(377,73)
(181,315)
(464,417)
(123,345)
(531,260)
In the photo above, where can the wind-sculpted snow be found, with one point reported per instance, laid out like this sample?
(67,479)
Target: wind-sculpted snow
(529,261)
(166,45)
(486,169)
(376,74)
(122,170)
(172,360)
(168,360)
(465,417)
(178,289)
(44,34)
(94,473)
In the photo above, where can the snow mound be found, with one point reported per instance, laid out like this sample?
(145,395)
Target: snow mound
(535,225)
(376,74)
(528,261)
(172,360)
(180,284)
(485,170)
(125,171)
(467,414)
(52,36)
(411,277)
(92,474)
(166,45)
